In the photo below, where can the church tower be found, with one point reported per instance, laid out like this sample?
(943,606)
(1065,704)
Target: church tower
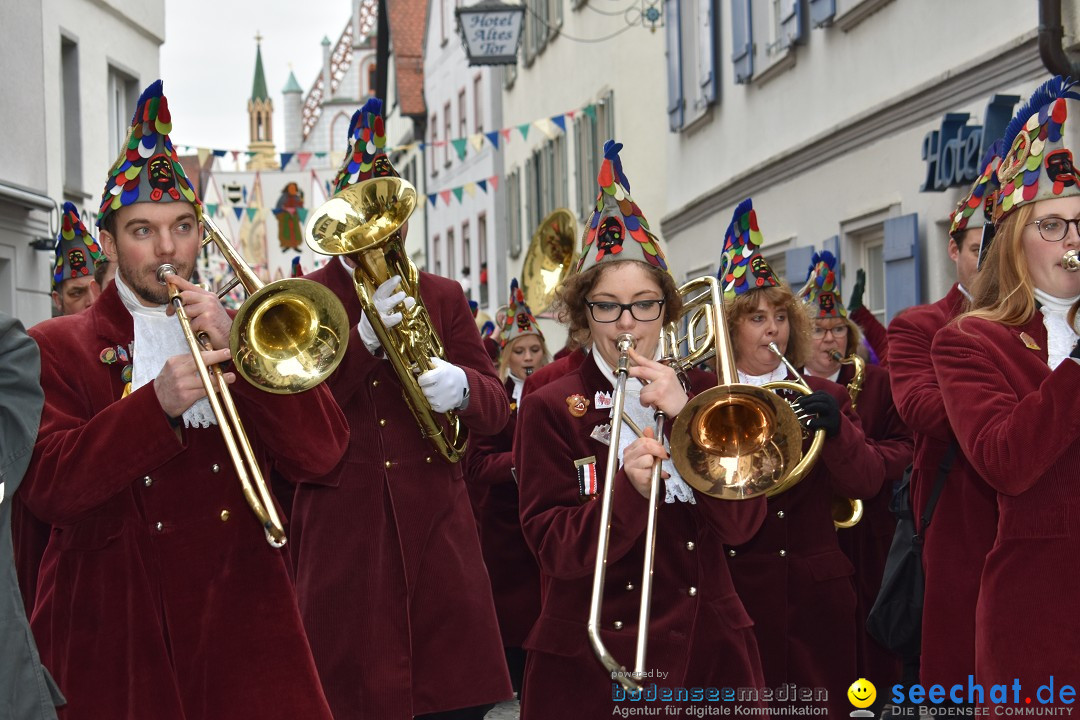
(261,116)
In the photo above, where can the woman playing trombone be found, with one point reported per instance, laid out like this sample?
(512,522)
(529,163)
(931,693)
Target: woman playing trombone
(699,635)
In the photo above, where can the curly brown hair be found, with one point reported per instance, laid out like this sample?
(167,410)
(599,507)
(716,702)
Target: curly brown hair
(570,305)
(780,296)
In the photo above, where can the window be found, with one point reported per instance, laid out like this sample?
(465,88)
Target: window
(478,106)
(463,128)
(543,18)
(123,94)
(339,131)
(433,142)
(451,254)
(591,131)
(436,255)
(513,197)
(71,149)
(481,246)
(466,259)
(742,41)
(693,45)
(370,90)
(442,21)
(446,127)
(874,264)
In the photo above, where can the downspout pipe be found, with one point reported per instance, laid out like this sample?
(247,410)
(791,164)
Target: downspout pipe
(1051,35)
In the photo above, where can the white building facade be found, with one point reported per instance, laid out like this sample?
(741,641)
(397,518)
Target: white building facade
(68,101)
(839,118)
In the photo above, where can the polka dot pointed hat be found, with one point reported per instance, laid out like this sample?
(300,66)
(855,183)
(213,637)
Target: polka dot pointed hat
(617,220)
(519,318)
(742,267)
(77,252)
(364,158)
(148,169)
(977,207)
(1039,144)
(821,293)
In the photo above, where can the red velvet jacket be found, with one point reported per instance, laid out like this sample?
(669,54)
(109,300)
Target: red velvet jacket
(792,576)
(1016,420)
(159,596)
(700,634)
(389,574)
(965,519)
(515,577)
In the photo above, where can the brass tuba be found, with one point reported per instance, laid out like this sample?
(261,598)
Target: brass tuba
(548,260)
(364,222)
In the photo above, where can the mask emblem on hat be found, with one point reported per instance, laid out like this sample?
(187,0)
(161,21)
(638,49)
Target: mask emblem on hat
(161,176)
(827,303)
(382,167)
(761,270)
(523,321)
(77,261)
(1060,169)
(577,404)
(610,237)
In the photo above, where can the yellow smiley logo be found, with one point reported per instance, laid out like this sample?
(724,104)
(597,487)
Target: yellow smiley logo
(862,693)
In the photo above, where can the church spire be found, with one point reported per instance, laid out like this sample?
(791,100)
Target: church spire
(258,89)
(261,118)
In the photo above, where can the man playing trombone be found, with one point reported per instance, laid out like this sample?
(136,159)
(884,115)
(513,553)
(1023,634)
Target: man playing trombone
(158,594)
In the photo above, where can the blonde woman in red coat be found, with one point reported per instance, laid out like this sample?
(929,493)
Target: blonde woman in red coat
(1009,373)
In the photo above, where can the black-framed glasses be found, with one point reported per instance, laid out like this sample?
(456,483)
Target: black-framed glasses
(1054,229)
(838,332)
(609,312)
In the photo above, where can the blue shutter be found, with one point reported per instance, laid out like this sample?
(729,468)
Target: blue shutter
(790,22)
(797,261)
(822,12)
(709,15)
(903,278)
(674,64)
(742,41)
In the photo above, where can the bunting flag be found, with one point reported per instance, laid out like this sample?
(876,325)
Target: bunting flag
(459,147)
(236,156)
(251,213)
(470,189)
(482,184)
(494,182)
(493,138)
(477,141)
(303,158)
(506,134)
(445,195)
(202,154)
(590,110)
(560,120)
(524,130)
(212,208)
(431,198)
(320,155)
(285,158)
(457,192)
(220,153)
(239,211)
(302,213)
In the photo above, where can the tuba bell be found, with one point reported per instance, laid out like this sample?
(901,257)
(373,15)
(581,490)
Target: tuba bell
(364,222)
(549,258)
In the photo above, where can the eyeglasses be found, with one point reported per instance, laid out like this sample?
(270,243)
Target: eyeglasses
(1054,229)
(609,312)
(838,332)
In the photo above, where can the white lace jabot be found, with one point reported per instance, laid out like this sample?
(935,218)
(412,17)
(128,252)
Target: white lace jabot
(1060,336)
(158,337)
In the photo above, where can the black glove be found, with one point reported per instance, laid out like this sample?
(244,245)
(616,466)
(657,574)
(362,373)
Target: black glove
(1075,351)
(825,411)
(857,291)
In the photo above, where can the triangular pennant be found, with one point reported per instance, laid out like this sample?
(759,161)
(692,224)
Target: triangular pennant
(251,213)
(493,138)
(212,209)
(220,153)
(239,211)
(432,198)
(470,188)
(477,141)
(301,213)
(459,146)
(202,153)
(545,126)
(482,184)
(494,180)
(445,195)
(457,192)
(236,156)
(506,134)
(590,110)
(559,120)
(285,158)
(524,129)
(303,158)
(320,155)
(570,114)
(250,154)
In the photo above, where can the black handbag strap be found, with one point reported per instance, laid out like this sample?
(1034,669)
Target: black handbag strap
(943,472)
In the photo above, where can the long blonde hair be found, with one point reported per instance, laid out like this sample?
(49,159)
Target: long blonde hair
(504,356)
(1002,291)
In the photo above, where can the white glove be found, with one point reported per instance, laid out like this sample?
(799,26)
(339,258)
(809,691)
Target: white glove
(444,385)
(385,299)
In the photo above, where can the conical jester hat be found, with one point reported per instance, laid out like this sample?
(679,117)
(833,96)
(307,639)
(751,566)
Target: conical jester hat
(616,220)
(148,169)
(364,157)
(77,252)
(519,318)
(977,207)
(820,291)
(742,267)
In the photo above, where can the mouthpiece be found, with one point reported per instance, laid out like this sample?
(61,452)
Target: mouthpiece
(528,371)
(164,271)
(835,355)
(624,342)
(1071,261)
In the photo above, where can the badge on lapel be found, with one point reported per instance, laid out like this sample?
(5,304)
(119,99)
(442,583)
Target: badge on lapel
(1029,341)
(602,433)
(588,487)
(577,404)
(603,400)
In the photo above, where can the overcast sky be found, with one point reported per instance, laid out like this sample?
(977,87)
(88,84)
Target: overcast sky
(208,61)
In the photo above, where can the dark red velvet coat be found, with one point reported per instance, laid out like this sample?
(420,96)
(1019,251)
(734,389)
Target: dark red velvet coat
(792,576)
(152,602)
(389,573)
(515,577)
(965,519)
(1018,424)
(554,370)
(867,544)
(700,634)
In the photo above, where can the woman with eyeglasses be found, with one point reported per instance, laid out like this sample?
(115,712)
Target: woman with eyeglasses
(700,635)
(792,575)
(515,578)
(1009,371)
(834,336)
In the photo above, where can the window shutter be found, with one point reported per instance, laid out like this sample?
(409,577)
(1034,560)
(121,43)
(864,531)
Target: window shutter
(707,35)
(742,41)
(790,22)
(903,279)
(797,262)
(822,12)
(674,64)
